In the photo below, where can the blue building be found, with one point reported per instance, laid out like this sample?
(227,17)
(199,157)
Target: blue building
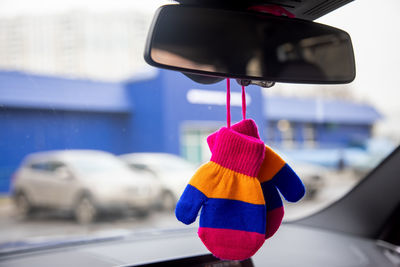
(298,123)
(160,111)
(163,112)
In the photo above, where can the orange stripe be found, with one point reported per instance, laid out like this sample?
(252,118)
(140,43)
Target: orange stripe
(271,165)
(216,181)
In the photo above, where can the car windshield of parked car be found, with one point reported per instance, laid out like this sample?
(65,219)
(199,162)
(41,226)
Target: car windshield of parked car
(74,86)
(170,163)
(98,164)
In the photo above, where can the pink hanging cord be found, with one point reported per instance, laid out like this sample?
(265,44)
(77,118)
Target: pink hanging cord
(228,102)
(243,102)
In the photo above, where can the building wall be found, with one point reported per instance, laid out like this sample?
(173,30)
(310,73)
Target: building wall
(25,131)
(147,120)
(331,134)
(294,122)
(196,118)
(164,125)
(316,135)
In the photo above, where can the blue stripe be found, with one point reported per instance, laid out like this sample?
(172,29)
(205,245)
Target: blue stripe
(271,195)
(189,204)
(233,214)
(289,184)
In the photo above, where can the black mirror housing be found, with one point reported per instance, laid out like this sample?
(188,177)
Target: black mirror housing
(248,45)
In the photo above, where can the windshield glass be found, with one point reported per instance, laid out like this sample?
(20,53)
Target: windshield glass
(73,79)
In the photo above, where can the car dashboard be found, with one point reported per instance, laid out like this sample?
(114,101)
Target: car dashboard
(293,245)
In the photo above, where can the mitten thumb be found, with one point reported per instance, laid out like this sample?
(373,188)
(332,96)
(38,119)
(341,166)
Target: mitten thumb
(189,204)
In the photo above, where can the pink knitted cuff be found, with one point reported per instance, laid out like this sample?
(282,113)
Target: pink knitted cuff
(246,127)
(238,152)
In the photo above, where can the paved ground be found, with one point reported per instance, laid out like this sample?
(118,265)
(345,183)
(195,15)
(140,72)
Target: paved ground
(45,224)
(55,225)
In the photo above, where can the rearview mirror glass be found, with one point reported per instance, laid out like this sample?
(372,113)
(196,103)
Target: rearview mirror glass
(249,45)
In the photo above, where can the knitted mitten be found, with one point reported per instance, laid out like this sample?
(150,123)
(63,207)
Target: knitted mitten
(232,220)
(274,174)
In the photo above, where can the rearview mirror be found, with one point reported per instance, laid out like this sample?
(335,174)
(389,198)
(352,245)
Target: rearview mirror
(249,45)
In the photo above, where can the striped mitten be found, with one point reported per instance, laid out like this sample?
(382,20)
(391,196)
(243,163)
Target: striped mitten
(232,220)
(274,174)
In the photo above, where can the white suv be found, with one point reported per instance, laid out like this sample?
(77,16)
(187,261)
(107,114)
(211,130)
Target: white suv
(172,172)
(83,181)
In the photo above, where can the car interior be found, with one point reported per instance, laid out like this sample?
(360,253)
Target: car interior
(190,36)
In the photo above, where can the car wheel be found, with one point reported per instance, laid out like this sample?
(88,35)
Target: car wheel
(311,194)
(22,205)
(142,213)
(168,201)
(85,211)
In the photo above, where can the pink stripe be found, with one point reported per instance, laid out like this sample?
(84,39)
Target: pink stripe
(228,244)
(228,102)
(274,220)
(238,152)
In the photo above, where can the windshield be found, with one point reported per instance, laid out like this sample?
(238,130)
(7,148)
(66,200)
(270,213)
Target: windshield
(73,79)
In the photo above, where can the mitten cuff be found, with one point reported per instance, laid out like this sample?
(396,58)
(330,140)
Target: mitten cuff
(238,152)
(246,127)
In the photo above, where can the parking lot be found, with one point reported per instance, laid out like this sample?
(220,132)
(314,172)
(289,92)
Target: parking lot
(55,225)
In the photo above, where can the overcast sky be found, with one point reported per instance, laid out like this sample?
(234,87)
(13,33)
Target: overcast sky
(375,31)
(374,28)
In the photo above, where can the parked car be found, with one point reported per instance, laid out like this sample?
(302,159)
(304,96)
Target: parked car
(172,172)
(85,182)
(313,176)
